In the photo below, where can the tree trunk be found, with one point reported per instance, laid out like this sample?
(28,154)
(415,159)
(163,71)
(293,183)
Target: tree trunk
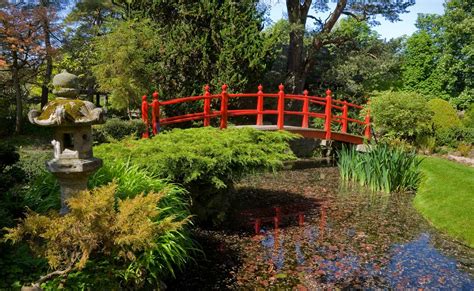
(17,88)
(49,63)
(297,15)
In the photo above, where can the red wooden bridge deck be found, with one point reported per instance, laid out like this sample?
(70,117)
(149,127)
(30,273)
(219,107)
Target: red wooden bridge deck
(331,111)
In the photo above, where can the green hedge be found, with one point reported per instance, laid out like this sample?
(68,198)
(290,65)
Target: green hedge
(117,129)
(206,161)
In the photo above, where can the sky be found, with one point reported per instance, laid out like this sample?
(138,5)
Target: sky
(386,28)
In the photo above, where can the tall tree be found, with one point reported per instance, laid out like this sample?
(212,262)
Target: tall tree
(21,50)
(439,57)
(47,16)
(197,42)
(301,58)
(85,22)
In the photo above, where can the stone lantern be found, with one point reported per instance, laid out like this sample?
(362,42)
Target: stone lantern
(72,120)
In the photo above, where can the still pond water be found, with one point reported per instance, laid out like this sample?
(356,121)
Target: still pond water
(349,239)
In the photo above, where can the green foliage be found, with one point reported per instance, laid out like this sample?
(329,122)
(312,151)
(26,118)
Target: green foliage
(438,58)
(362,64)
(206,161)
(382,168)
(126,233)
(123,66)
(452,136)
(426,144)
(468,119)
(419,63)
(464,149)
(446,123)
(400,115)
(178,46)
(117,129)
(444,115)
(172,250)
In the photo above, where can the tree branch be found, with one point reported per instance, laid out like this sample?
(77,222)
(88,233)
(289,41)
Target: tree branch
(318,20)
(362,17)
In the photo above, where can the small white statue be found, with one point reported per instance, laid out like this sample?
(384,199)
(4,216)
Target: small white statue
(57,148)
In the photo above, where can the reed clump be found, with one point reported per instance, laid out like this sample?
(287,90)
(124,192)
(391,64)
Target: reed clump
(382,168)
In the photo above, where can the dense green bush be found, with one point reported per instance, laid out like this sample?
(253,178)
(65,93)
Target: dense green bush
(452,136)
(206,161)
(468,119)
(400,115)
(15,261)
(382,168)
(117,129)
(444,114)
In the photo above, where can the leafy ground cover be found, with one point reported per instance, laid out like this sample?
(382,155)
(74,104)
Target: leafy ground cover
(445,197)
(351,238)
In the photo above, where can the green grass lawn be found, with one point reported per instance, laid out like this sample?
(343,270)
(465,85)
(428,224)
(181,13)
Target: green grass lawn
(446,197)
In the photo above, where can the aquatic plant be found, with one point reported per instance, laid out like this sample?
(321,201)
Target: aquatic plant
(382,168)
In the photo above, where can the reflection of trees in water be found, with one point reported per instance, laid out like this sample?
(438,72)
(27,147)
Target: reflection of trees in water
(355,244)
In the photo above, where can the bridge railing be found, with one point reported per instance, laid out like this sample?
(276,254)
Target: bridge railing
(223,112)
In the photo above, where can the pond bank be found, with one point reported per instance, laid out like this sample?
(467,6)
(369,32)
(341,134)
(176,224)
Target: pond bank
(446,197)
(350,238)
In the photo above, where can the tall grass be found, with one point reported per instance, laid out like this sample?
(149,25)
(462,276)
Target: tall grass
(382,168)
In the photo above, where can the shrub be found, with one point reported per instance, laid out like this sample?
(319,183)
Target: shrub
(452,136)
(426,144)
(400,115)
(444,114)
(468,119)
(173,249)
(117,129)
(206,161)
(129,234)
(464,149)
(382,168)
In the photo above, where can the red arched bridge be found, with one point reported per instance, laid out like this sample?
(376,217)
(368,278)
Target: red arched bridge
(334,114)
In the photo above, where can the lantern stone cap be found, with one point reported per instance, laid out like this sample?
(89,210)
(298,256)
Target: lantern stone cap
(65,85)
(67,112)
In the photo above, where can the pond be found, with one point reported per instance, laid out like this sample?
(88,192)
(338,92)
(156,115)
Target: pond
(348,238)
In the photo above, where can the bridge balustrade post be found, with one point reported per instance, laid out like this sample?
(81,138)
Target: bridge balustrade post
(260,105)
(328,113)
(155,113)
(367,125)
(207,106)
(344,117)
(224,103)
(281,107)
(145,116)
(305,122)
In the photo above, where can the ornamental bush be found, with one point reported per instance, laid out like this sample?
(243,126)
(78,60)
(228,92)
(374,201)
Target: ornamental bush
(400,115)
(173,248)
(206,161)
(117,129)
(444,114)
(131,237)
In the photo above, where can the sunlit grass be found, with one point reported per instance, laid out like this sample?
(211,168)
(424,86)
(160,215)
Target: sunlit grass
(446,197)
